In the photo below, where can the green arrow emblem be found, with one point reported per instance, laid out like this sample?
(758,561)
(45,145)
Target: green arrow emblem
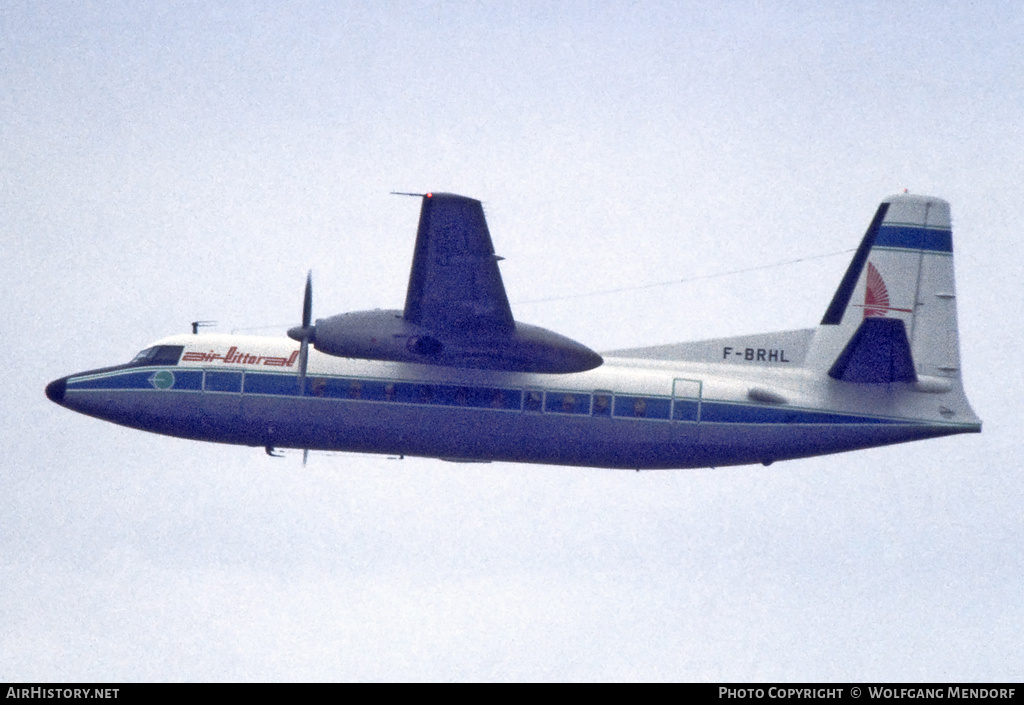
(164,379)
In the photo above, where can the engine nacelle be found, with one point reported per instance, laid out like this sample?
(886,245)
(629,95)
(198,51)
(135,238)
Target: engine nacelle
(386,335)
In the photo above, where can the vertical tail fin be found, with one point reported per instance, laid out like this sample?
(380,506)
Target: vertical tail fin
(893,317)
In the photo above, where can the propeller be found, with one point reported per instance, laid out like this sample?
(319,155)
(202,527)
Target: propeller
(305,333)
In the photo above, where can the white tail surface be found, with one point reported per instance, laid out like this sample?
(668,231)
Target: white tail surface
(902,271)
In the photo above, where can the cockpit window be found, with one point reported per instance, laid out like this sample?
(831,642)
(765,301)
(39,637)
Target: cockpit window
(162,355)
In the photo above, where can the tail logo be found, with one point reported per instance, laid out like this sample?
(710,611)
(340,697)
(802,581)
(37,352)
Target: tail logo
(876,295)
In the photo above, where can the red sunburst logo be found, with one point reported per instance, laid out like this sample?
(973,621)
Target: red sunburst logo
(876,296)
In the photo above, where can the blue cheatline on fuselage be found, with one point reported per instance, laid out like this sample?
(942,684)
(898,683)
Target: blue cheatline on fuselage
(609,428)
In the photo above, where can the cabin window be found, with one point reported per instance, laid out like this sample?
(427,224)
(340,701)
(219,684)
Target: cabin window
(534,400)
(602,404)
(395,391)
(346,389)
(256,383)
(685,409)
(497,399)
(482,397)
(188,380)
(445,395)
(223,381)
(490,398)
(643,407)
(567,403)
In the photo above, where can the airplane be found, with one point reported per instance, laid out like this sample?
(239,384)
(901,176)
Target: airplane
(454,376)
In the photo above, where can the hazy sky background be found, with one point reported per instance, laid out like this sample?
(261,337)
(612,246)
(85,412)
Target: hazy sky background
(163,162)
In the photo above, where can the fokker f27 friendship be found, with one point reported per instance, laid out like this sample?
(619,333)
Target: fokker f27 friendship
(454,376)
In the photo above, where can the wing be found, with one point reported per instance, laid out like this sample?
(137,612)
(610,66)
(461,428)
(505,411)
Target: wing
(455,284)
(456,310)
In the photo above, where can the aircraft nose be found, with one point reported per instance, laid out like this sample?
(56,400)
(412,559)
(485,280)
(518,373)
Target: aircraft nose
(55,390)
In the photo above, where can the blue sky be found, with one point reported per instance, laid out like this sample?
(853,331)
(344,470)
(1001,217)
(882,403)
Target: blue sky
(162,164)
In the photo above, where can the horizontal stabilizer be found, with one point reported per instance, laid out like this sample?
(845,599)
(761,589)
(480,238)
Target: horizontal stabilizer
(878,353)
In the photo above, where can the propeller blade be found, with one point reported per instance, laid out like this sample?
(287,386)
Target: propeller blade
(307,302)
(303,359)
(304,333)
